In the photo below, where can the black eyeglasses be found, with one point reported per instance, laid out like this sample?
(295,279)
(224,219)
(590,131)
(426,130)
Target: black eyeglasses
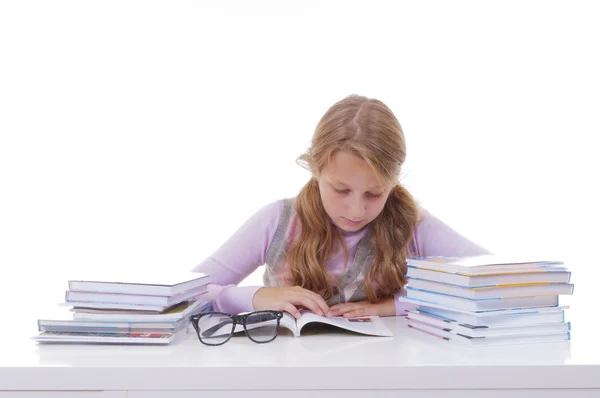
(216,328)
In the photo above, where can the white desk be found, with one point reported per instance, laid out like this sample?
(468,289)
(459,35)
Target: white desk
(410,365)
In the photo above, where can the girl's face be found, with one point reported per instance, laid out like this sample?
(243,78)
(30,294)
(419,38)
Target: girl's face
(352,194)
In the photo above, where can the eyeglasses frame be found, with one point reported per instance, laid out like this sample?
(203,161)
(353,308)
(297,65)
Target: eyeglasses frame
(238,319)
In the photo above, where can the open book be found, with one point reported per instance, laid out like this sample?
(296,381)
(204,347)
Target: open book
(367,325)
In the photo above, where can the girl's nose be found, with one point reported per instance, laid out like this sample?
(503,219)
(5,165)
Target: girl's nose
(356,210)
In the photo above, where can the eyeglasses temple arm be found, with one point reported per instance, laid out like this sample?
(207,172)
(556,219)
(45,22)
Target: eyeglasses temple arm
(211,330)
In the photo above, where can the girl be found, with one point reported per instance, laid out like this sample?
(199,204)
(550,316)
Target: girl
(340,246)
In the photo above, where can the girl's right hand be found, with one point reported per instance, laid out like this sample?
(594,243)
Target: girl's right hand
(288,299)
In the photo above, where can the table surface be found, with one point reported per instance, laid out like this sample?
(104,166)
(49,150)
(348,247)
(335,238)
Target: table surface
(329,359)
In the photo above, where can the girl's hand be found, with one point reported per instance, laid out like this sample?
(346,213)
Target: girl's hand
(385,307)
(289,299)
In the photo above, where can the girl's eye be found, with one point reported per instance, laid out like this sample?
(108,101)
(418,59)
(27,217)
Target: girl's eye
(368,194)
(341,190)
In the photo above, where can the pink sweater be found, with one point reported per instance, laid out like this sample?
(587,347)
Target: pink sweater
(247,248)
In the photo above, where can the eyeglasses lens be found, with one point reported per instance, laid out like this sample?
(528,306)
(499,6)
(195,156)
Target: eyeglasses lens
(215,328)
(262,326)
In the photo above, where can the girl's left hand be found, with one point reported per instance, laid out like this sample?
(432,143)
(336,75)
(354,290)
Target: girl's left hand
(361,308)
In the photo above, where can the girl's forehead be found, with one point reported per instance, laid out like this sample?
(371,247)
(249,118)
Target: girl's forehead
(350,170)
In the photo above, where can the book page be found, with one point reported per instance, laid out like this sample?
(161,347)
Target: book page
(289,322)
(368,325)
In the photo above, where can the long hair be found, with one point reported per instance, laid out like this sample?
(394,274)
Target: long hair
(368,129)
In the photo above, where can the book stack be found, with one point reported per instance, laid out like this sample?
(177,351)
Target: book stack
(488,300)
(126,312)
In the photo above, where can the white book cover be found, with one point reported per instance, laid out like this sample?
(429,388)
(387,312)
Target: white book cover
(542,275)
(183,310)
(147,283)
(488,331)
(489,341)
(483,264)
(87,306)
(110,338)
(501,291)
(120,298)
(485,260)
(499,317)
(72,324)
(482,304)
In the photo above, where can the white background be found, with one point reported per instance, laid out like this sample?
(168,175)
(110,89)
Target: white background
(137,136)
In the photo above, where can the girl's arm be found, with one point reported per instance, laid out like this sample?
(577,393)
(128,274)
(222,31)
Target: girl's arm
(239,257)
(432,237)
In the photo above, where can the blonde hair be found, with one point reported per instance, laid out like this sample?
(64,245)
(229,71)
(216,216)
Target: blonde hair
(368,129)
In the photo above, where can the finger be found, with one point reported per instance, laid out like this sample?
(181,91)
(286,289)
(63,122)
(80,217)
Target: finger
(350,303)
(291,309)
(355,313)
(311,305)
(344,308)
(316,298)
(339,309)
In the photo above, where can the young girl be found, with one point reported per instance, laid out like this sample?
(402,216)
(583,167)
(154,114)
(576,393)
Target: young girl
(340,246)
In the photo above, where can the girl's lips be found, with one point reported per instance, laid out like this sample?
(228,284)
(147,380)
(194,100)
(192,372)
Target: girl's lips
(352,222)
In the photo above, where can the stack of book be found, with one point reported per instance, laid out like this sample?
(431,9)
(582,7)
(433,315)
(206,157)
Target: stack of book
(140,312)
(488,300)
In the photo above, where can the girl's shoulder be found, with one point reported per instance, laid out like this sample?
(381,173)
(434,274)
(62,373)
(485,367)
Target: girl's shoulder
(423,214)
(274,212)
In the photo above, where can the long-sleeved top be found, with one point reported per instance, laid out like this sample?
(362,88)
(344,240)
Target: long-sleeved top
(246,250)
